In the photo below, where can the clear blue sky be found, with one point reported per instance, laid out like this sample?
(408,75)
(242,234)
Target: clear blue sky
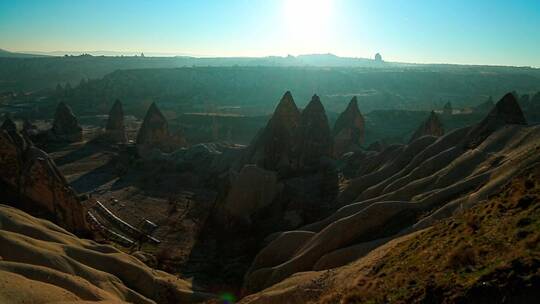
(459,31)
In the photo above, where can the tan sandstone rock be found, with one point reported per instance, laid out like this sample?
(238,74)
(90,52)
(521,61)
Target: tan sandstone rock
(32,175)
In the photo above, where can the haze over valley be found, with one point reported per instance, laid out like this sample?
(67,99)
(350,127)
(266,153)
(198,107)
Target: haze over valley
(291,151)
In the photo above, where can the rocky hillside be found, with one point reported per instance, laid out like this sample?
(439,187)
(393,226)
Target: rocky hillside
(43,263)
(404,189)
(31,180)
(487,254)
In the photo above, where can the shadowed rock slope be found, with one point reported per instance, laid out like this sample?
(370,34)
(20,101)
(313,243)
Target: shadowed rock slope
(34,182)
(313,138)
(8,124)
(272,147)
(65,125)
(349,129)
(154,134)
(415,185)
(42,263)
(115,130)
(489,253)
(432,126)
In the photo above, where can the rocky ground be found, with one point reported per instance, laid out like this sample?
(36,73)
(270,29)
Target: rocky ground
(42,263)
(170,200)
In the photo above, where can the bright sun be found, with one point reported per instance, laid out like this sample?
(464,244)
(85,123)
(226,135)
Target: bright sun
(307,19)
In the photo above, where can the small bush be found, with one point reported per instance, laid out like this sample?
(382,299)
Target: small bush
(462,256)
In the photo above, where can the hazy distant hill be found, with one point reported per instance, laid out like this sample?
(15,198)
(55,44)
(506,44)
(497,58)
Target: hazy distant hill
(8,54)
(34,72)
(254,90)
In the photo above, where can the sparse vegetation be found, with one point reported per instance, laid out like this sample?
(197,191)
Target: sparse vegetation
(488,254)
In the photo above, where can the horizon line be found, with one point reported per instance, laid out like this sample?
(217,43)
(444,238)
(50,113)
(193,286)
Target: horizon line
(154,54)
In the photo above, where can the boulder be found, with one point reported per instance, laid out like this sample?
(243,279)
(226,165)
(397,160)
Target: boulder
(65,126)
(349,129)
(115,130)
(431,126)
(154,133)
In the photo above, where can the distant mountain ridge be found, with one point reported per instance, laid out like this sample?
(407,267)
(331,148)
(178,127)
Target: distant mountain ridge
(316,60)
(8,54)
(329,59)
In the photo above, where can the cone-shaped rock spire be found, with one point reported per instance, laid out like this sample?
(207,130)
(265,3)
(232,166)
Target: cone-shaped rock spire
(115,129)
(313,136)
(154,133)
(65,125)
(32,174)
(349,129)
(273,147)
(506,111)
(431,126)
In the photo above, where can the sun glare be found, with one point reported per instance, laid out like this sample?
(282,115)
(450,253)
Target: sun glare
(307,20)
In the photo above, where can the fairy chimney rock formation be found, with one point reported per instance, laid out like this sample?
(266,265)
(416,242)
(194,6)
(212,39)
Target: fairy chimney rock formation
(431,126)
(154,133)
(349,129)
(313,135)
(506,111)
(115,129)
(272,149)
(65,125)
(32,176)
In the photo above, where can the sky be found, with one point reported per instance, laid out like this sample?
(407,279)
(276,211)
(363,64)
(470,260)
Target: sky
(499,32)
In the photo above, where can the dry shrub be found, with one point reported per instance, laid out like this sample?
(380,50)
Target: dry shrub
(463,256)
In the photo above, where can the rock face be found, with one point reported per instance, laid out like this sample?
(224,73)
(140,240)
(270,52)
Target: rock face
(437,176)
(154,133)
(272,148)
(65,125)
(43,263)
(286,177)
(313,139)
(32,177)
(115,130)
(506,111)
(349,129)
(422,251)
(432,126)
(252,189)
